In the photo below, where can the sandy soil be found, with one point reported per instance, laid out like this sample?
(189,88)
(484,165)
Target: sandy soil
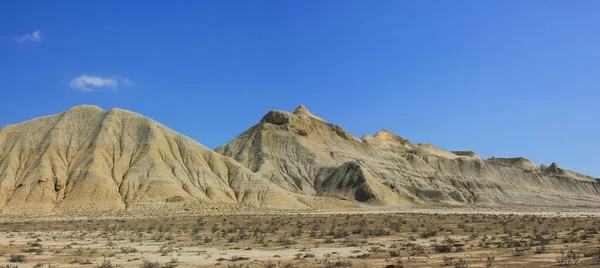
(415,238)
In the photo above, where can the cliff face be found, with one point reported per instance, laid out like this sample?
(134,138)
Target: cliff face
(87,159)
(305,154)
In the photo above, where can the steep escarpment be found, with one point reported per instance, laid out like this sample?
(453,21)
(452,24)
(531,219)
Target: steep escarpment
(351,181)
(307,155)
(88,159)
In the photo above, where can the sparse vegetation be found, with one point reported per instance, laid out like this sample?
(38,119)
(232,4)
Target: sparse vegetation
(106,264)
(149,264)
(567,258)
(361,240)
(461,264)
(16,258)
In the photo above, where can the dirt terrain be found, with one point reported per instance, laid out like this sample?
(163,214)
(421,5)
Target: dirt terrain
(392,239)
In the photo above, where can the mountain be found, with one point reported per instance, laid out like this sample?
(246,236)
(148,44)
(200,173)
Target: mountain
(87,160)
(90,160)
(305,154)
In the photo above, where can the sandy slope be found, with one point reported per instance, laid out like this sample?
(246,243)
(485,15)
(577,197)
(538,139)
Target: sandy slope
(87,159)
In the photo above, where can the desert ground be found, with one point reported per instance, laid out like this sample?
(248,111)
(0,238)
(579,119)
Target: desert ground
(410,238)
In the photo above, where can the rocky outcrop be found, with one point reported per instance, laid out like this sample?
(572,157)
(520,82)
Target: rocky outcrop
(351,181)
(465,153)
(387,136)
(517,162)
(307,155)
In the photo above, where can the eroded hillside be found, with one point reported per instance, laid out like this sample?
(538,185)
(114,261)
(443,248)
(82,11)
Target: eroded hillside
(87,159)
(305,154)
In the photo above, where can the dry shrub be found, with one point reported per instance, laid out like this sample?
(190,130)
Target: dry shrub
(568,258)
(16,258)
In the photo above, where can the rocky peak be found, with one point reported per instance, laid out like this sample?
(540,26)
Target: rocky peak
(385,135)
(301,111)
(554,169)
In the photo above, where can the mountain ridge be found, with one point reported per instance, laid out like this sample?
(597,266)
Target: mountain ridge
(301,154)
(90,160)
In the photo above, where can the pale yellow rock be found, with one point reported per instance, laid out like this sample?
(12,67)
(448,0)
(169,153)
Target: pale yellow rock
(307,155)
(87,159)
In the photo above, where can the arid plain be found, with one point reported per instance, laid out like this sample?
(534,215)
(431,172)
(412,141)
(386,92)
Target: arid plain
(422,238)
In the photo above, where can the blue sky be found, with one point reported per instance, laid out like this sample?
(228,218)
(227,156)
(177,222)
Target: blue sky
(501,78)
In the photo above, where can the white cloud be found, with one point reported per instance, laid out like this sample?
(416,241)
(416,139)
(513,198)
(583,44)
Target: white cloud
(33,37)
(127,82)
(88,83)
